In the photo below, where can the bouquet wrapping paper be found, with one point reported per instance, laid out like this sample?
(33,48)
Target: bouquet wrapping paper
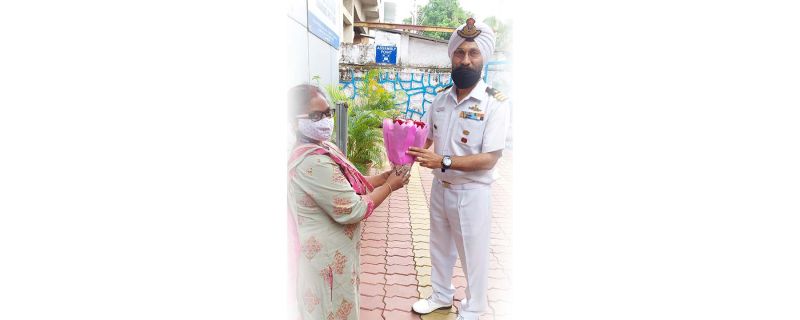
(398,136)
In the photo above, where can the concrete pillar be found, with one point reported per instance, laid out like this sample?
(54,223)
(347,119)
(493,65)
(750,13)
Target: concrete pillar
(402,49)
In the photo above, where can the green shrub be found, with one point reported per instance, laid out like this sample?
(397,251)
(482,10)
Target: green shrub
(365,115)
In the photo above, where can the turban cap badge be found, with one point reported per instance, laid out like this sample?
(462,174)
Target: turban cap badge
(469,32)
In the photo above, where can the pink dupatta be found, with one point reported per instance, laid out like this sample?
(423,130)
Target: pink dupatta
(359,183)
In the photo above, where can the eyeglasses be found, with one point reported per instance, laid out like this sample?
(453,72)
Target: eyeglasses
(318,115)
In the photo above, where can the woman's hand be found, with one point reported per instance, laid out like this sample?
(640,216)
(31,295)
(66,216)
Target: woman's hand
(396,182)
(379,179)
(385,176)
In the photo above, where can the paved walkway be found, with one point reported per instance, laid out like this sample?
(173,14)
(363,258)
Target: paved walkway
(395,256)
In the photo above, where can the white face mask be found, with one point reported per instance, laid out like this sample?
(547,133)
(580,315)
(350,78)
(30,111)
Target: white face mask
(320,130)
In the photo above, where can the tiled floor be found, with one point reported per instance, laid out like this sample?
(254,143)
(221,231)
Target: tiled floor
(395,257)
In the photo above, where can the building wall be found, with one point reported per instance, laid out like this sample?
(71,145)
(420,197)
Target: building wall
(411,52)
(415,88)
(309,56)
(419,73)
(298,52)
(425,53)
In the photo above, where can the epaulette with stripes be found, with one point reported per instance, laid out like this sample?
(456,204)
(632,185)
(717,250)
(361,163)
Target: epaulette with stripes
(496,94)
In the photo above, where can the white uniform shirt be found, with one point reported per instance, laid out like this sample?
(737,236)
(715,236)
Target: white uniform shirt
(454,135)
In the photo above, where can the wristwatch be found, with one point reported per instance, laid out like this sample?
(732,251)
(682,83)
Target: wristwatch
(446,162)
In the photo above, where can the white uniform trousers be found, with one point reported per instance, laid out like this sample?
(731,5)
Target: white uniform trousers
(460,224)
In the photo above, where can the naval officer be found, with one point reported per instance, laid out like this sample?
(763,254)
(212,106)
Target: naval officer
(468,125)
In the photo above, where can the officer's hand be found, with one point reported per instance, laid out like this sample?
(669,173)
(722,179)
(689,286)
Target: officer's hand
(426,158)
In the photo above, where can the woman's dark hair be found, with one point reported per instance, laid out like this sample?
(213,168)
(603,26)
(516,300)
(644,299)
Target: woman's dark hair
(300,98)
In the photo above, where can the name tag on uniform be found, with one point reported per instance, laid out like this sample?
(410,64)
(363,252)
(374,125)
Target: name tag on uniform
(478,116)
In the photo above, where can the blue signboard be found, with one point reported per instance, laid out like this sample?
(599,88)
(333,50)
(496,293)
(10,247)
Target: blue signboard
(322,20)
(321,30)
(386,54)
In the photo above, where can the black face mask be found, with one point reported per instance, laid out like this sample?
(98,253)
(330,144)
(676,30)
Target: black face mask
(464,77)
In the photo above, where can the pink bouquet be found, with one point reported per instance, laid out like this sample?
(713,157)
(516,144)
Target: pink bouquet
(398,136)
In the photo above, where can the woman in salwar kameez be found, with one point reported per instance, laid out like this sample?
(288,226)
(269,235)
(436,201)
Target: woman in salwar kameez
(327,200)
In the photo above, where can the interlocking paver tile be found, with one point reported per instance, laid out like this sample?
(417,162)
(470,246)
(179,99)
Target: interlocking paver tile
(401,279)
(421,246)
(373,243)
(424,279)
(373,278)
(399,315)
(496,273)
(423,253)
(445,314)
(373,251)
(395,251)
(400,225)
(375,229)
(397,237)
(376,314)
(370,289)
(400,260)
(371,302)
(373,268)
(425,291)
(423,270)
(458,272)
(422,261)
(423,226)
(400,303)
(373,236)
(399,244)
(459,281)
(421,238)
(368,259)
(403,252)
(461,293)
(396,290)
(401,231)
(401,269)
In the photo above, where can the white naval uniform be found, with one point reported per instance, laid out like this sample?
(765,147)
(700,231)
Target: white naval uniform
(460,201)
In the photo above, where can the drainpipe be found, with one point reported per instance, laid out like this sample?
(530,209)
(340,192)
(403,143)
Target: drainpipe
(341,126)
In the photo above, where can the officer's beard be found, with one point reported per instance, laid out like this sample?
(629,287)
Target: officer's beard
(465,77)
